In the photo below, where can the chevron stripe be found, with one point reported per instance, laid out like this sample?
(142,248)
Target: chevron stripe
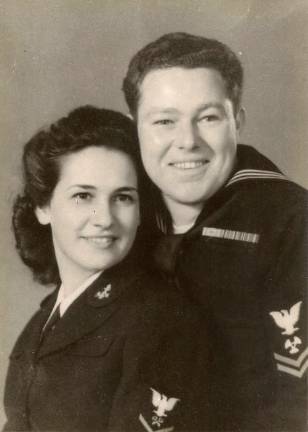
(292,362)
(255,174)
(297,373)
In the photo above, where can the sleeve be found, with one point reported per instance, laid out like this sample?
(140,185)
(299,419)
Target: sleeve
(15,396)
(158,390)
(287,326)
(19,377)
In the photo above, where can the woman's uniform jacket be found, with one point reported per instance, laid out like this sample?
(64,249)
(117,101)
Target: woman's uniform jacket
(119,359)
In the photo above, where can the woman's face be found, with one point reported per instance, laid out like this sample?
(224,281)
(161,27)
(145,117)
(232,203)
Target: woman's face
(93,212)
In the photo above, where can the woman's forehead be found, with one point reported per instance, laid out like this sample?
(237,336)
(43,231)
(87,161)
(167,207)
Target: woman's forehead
(98,166)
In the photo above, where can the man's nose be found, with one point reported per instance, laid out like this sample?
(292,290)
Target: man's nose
(188,136)
(102,215)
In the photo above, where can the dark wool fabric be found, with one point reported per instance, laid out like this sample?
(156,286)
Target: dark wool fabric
(245,264)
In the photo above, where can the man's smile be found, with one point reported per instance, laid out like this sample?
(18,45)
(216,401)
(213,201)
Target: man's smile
(186,165)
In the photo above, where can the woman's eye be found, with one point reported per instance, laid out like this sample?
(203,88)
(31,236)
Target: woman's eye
(124,198)
(82,196)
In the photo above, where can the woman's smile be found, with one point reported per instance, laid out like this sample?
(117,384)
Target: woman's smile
(102,241)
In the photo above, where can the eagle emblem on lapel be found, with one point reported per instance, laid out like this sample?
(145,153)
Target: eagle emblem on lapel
(104,293)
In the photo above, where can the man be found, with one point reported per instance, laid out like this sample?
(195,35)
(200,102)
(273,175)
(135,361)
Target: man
(231,231)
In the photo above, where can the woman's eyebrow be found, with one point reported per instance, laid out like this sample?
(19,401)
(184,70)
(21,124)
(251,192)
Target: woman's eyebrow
(90,187)
(82,186)
(127,189)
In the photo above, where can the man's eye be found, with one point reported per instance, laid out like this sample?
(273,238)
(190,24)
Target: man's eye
(209,118)
(163,122)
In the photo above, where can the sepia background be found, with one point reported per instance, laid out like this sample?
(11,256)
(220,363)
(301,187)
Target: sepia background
(58,54)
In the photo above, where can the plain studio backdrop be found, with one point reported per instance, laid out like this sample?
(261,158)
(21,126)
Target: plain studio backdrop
(59,54)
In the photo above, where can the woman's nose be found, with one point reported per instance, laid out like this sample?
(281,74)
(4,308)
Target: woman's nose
(102,215)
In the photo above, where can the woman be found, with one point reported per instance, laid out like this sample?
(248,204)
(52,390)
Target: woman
(104,352)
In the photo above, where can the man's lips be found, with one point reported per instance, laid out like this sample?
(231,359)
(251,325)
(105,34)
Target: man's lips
(186,165)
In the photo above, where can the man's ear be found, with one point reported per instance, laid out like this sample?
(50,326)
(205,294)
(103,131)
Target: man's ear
(43,215)
(240,120)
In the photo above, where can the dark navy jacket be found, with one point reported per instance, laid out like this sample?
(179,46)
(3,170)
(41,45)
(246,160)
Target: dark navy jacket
(119,362)
(245,264)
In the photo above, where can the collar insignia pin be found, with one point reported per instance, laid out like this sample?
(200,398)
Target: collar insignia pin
(104,293)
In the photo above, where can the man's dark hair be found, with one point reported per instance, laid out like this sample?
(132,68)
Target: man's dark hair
(84,127)
(187,51)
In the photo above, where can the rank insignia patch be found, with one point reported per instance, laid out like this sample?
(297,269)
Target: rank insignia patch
(291,356)
(162,407)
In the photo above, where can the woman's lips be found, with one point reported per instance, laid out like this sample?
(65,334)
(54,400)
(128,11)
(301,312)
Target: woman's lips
(104,241)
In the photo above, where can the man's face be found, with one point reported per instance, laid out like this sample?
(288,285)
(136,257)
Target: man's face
(188,133)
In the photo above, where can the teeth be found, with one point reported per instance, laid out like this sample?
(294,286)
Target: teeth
(188,165)
(102,241)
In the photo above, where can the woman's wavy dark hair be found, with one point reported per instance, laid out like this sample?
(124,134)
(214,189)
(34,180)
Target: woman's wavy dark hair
(83,127)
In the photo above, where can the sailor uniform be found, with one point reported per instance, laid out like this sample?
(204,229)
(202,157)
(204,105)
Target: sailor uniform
(245,263)
(122,341)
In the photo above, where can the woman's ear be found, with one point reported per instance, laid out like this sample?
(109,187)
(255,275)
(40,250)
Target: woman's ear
(240,120)
(43,215)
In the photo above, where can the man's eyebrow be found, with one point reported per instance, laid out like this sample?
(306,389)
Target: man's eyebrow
(158,110)
(217,105)
(170,110)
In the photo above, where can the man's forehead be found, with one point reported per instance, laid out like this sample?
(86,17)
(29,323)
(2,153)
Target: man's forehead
(172,74)
(162,109)
(164,89)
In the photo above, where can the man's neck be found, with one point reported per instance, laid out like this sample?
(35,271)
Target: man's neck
(183,214)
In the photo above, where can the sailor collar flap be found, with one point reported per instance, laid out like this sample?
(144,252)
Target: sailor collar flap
(252,165)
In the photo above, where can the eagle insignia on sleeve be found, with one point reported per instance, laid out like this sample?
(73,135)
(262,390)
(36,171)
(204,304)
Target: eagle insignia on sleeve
(287,319)
(163,405)
(291,356)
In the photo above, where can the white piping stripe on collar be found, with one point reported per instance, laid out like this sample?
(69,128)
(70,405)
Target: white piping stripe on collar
(255,174)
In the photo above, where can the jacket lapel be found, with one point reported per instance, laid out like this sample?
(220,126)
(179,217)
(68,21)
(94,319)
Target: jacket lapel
(87,313)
